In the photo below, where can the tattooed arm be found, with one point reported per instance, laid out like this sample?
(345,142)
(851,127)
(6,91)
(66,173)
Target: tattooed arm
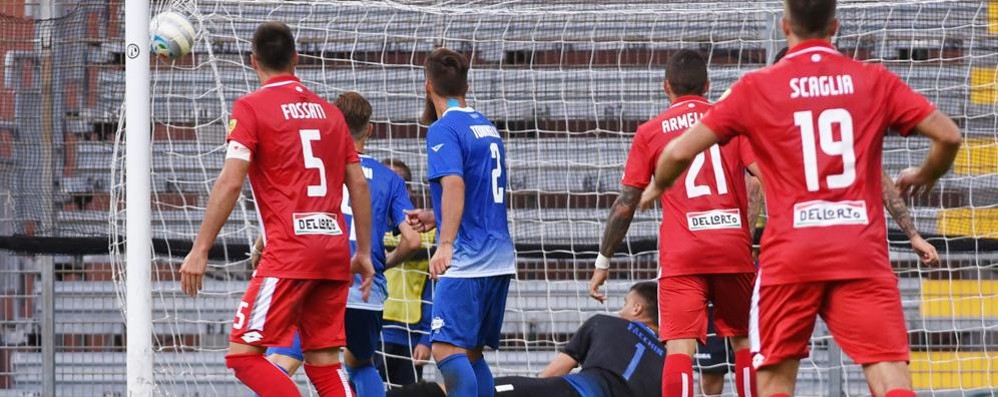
(755,201)
(621,214)
(899,211)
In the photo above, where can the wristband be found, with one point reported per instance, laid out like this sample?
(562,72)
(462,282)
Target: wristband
(602,262)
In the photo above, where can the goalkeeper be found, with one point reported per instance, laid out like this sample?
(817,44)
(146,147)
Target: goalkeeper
(619,356)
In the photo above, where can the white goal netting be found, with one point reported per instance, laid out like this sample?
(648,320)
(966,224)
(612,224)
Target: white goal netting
(567,84)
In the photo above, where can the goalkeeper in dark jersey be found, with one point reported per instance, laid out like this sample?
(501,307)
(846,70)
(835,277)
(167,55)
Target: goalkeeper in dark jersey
(619,356)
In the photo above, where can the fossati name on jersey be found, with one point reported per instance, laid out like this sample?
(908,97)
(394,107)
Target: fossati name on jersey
(303,110)
(818,86)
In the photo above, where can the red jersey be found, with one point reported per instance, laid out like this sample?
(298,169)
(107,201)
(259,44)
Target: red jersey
(704,226)
(300,149)
(816,122)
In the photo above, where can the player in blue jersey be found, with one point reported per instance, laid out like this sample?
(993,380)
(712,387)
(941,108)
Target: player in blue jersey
(474,259)
(389,202)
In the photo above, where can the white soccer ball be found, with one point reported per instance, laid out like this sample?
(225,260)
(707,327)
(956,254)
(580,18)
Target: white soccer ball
(172,35)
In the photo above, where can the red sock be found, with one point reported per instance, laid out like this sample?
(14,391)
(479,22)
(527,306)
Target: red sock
(677,376)
(900,393)
(329,380)
(745,374)
(261,376)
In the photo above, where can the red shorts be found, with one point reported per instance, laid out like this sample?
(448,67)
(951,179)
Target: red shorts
(273,308)
(682,305)
(863,315)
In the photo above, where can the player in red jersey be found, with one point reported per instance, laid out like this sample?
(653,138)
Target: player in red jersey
(816,121)
(298,153)
(704,240)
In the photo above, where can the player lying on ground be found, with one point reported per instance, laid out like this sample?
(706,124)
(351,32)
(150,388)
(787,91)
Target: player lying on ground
(619,356)
(705,246)
(297,151)
(474,258)
(389,202)
(816,121)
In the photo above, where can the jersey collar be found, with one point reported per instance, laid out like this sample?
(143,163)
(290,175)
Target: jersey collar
(809,46)
(688,98)
(464,109)
(281,80)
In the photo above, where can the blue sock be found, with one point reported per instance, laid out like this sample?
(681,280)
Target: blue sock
(366,381)
(486,384)
(459,377)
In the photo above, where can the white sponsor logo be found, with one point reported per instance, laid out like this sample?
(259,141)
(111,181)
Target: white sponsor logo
(829,213)
(437,147)
(252,337)
(714,219)
(503,388)
(757,360)
(436,324)
(316,223)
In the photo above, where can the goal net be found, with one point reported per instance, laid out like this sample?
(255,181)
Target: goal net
(566,83)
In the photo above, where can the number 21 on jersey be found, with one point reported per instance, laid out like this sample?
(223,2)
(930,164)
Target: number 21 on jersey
(692,189)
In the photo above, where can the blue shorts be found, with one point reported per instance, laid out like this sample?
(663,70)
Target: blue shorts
(468,312)
(293,351)
(363,329)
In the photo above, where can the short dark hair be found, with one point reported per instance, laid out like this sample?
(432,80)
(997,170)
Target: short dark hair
(686,73)
(810,19)
(780,54)
(447,71)
(402,168)
(356,111)
(648,291)
(274,46)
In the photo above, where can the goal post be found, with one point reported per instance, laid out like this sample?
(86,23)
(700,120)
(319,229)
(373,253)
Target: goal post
(138,201)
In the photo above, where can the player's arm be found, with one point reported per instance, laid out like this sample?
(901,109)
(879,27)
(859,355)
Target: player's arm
(451,209)
(360,203)
(256,252)
(222,199)
(409,244)
(945,136)
(676,157)
(899,211)
(560,365)
(621,215)
(756,198)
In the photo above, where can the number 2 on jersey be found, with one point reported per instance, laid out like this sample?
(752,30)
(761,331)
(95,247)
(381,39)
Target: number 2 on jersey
(843,148)
(694,190)
(307,136)
(497,191)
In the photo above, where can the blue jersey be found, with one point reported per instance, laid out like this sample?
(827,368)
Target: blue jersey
(389,201)
(465,143)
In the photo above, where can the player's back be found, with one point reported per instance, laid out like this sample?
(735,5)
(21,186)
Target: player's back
(629,350)
(465,143)
(816,122)
(300,148)
(706,209)
(389,200)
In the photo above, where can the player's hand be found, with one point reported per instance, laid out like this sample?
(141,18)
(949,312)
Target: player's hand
(925,251)
(440,261)
(599,277)
(421,220)
(911,182)
(255,258)
(421,355)
(192,273)
(651,195)
(361,264)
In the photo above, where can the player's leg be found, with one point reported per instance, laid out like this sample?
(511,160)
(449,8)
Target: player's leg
(397,367)
(363,330)
(454,333)
(682,322)
(780,325)
(881,345)
(273,302)
(420,389)
(711,383)
(494,289)
(732,297)
(323,336)
(712,361)
(288,358)
(519,386)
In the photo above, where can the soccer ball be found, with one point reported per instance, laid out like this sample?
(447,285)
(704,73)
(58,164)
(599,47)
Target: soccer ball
(172,35)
